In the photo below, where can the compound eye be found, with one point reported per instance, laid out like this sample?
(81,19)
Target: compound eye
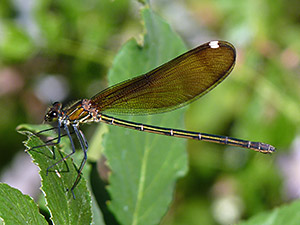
(53,114)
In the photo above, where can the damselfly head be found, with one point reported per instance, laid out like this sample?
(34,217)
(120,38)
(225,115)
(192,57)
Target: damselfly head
(53,112)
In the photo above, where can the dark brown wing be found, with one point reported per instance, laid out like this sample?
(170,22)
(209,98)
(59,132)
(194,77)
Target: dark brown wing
(172,85)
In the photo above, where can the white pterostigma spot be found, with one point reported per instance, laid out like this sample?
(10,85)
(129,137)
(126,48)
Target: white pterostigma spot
(214,44)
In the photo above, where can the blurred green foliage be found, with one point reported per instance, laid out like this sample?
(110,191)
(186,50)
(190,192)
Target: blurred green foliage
(259,101)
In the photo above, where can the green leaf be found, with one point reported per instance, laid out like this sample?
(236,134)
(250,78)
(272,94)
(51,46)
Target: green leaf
(16,208)
(287,215)
(87,174)
(63,208)
(97,216)
(145,166)
(15,44)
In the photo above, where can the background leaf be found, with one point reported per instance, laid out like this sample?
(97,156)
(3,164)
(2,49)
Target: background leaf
(287,214)
(145,166)
(16,208)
